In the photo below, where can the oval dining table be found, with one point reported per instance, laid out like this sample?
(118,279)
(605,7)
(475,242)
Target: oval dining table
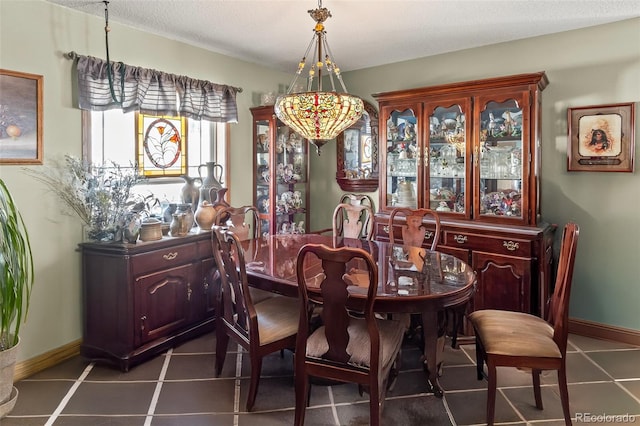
(410,280)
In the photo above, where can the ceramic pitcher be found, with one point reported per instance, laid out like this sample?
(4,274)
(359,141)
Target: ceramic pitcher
(211,181)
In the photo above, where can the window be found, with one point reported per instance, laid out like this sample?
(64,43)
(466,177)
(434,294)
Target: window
(112,136)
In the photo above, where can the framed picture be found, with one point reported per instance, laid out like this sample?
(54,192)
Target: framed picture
(601,138)
(161,145)
(20,118)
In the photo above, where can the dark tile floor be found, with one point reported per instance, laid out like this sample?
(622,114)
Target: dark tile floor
(180,388)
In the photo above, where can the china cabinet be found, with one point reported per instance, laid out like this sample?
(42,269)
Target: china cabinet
(471,151)
(141,299)
(281,175)
(357,153)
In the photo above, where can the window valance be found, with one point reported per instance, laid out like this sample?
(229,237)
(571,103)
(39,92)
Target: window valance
(152,92)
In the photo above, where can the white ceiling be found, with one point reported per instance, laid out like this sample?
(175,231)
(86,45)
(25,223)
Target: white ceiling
(361,33)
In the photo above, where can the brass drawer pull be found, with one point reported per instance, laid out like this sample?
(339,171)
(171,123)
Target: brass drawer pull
(170,256)
(386,228)
(428,235)
(460,239)
(511,246)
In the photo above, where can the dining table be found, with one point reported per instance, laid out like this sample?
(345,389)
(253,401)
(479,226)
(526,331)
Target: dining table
(411,280)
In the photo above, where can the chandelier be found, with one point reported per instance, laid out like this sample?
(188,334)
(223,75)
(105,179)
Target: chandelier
(318,115)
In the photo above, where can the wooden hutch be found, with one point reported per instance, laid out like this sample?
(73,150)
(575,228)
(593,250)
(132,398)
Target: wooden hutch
(471,151)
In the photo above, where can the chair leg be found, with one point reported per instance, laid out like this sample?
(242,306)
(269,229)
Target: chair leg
(256,369)
(564,393)
(479,359)
(302,397)
(374,404)
(491,392)
(222,341)
(536,388)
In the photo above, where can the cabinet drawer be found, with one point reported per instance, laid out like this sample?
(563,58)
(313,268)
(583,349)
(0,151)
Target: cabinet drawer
(163,259)
(499,245)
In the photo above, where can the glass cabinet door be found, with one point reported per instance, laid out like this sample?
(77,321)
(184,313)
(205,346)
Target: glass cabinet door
(262,175)
(290,181)
(502,158)
(281,170)
(403,155)
(448,159)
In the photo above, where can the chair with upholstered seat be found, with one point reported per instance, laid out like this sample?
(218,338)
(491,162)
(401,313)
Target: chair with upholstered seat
(345,348)
(261,328)
(414,233)
(363,199)
(516,339)
(245,223)
(353,221)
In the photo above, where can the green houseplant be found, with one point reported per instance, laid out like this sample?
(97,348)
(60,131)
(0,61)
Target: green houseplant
(16,282)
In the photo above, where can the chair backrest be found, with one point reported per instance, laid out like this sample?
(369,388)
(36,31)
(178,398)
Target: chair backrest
(363,199)
(330,283)
(237,307)
(353,221)
(414,233)
(243,221)
(558,313)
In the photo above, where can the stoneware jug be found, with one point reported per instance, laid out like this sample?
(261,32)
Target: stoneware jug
(211,181)
(190,193)
(189,215)
(178,227)
(205,215)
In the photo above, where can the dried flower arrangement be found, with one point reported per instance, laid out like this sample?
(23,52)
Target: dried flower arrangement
(99,194)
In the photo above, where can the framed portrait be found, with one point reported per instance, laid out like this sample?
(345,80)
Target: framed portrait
(20,118)
(161,145)
(601,138)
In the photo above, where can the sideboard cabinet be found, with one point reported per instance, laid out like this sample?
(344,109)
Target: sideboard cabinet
(141,299)
(281,174)
(471,151)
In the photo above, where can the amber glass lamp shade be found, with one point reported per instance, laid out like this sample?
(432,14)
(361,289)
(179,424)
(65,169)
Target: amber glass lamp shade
(319,116)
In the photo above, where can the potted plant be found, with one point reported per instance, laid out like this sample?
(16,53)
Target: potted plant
(16,281)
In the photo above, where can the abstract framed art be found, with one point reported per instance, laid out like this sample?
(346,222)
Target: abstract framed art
(601,138)
(20,117)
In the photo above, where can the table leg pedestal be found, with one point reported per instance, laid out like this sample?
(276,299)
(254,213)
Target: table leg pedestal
(434,340)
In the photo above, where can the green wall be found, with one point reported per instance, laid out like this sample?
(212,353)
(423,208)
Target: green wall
(585,67)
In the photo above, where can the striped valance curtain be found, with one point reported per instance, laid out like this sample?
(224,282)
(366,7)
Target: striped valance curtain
(152,92)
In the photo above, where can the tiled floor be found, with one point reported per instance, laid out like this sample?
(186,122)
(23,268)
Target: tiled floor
(179,388)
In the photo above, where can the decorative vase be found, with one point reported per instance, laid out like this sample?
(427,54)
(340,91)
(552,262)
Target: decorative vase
(211,180)
(205,215)
(167,213)
(189,191)
(188,212)
(219,202)
(178,226)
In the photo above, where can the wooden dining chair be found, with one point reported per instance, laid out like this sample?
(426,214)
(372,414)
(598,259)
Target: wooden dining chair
(414,233)
(243,221)
(261,328)
(353,221)
(344,348)
(516,339)
(363,199)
